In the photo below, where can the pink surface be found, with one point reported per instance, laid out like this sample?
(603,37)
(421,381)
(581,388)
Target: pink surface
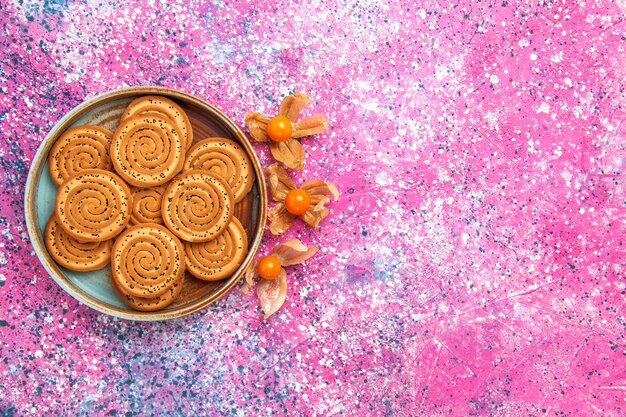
(474,264)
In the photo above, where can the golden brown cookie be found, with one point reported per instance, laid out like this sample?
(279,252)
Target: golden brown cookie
(197,206)
(226,158)
(73,254)
(166,107)
(147,260)
(220,257)
(150,304)
(77,149)
(147,150)
(147,205)
(93,205)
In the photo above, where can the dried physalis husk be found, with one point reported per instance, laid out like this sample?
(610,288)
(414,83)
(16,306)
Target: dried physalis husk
(280,219)
(293,252)
(249,277)
(290,151)
(272,293)
(280,184)
(319,191)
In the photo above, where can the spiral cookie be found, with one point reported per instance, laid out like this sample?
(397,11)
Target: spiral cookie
(220,257)
(73,254)
(166,107)
(197,206)
(77,149)
(147,149)
(150,304)
(147,260)
(226,158)
(147,205)
(93,205)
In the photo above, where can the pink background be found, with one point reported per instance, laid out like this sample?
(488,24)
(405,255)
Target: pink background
(474,264)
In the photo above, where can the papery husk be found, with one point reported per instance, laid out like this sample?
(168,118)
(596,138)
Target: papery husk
(314,215)
(289,152)
(272,293)
(310,126)
(249,277)
(257,125)
(293,252)
(318,201)
(292,105)
(320,188)
(280,219)
(279,181)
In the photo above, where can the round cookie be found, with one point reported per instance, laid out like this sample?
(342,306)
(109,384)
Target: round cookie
(197,206)
(220,257)
(93,205)
(77,149)
(147,150)
(147,260)
(147,205)
(150,304)
(166,107)
(227,159)
(73,254)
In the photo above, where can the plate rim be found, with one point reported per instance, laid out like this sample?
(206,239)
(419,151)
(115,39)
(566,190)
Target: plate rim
(40,158)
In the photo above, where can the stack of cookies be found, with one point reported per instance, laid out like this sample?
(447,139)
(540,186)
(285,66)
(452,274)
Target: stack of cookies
(150,201)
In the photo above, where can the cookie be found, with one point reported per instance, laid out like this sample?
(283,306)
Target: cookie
(150,304)
(93,205)
(197,206)
(147,150)
(147,260)
(147,205)
(166,107)
(77,149)
(220,257)
(73,254)
(226,158)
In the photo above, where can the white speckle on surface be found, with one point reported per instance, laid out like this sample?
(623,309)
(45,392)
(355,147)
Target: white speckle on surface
(383,179)
(558,57)
(543,108)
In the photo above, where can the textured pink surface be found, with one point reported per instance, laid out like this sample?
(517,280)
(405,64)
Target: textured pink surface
(474,264)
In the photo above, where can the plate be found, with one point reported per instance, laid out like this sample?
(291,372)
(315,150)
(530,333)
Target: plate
(93,288)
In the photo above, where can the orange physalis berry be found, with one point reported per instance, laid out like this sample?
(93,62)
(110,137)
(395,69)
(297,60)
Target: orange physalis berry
(279,129)
(269,267)
(297,202)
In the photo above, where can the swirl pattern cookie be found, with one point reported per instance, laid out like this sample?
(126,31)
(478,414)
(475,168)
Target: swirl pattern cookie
(147,260)
(150,304)
(166,107)
(123,198)
(77,149)
(220,257)
(197,206)
(147,150)
(147,205)
(227,159)
(73,254)
(93,205)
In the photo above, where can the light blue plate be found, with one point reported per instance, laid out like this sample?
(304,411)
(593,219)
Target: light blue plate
(93,288)
(93,282)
